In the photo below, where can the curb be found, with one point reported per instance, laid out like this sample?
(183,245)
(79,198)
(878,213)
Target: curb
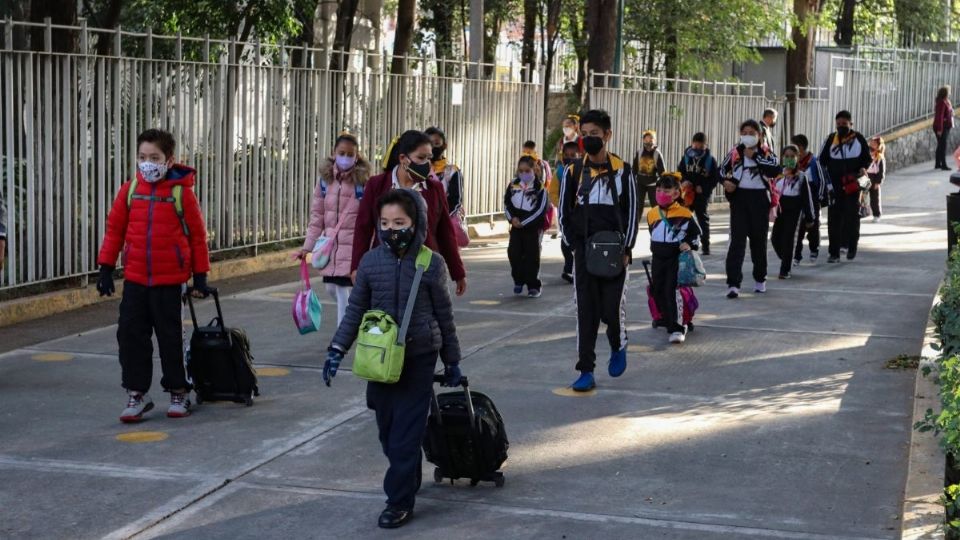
(922,511)
(47,304)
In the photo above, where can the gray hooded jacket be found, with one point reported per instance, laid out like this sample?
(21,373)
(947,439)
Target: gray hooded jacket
(383,282)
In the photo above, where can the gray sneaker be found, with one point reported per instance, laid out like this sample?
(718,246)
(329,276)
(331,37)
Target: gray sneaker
(179,405)
(137,404)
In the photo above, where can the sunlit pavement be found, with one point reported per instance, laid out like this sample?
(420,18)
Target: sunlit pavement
(777,418)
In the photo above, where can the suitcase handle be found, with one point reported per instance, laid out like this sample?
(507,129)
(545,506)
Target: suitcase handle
(646,268)
(193,314)
(435,405)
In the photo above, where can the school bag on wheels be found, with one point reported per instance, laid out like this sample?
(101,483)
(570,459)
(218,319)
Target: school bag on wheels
(465,436)
(690,302)
(219,361)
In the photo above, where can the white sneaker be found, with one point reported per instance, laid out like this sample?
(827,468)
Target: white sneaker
(760,287)
(179,405)
(733,292)
(677,337)
(876,220)
(137,404)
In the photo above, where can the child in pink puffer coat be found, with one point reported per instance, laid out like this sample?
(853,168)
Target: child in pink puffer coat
(334,208)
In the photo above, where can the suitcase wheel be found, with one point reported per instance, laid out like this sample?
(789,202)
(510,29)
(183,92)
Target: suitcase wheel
(474,482)
(249,401)
(498,480)
(437,475)
(199,398)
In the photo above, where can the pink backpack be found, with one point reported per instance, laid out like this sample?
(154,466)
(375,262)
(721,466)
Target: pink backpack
(306,306)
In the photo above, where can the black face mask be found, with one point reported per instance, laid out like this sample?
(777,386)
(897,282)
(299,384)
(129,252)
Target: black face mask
(592,145)
(419,171)
(438,152)
(569,161)
(843,131)
(398,240)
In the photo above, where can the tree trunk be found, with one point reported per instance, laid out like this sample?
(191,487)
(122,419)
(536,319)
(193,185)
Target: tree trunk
(580,48)
(60,12)
(844,32)
(601,29)
(527,56)
(800,58)
(443,27)
(346,13)
(552,32)
(404,36)
(491,38)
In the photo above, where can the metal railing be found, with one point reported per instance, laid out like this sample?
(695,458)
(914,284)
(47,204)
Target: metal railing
(255,120)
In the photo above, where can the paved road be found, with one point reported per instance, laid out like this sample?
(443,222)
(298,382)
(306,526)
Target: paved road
(776,419)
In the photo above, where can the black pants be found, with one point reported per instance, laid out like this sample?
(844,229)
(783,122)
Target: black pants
(875,207)
(567,257)
(143,312)
(784,234)
(401,410)
(701,207)
(941,155)
(843,228)
(646,193)
(663,287)
(524,255)
(749,219)
(813,238)
(598,300)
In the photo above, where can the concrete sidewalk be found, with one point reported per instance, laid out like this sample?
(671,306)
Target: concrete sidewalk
(776,419)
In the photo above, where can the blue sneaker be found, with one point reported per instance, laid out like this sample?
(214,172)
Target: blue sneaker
(618,362)
(585,383)
(518,289)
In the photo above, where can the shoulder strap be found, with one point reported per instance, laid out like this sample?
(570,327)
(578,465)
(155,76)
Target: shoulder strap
(663,217)
(131,191)
(176,197)
(424,256)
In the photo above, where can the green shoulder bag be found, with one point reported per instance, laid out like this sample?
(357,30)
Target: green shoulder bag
(381,345)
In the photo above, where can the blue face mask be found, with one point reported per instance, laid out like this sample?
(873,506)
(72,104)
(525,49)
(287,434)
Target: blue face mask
(398,240)
(527,177)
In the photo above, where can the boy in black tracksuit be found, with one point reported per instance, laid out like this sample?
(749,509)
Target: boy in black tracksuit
(647,167)
(525,204)
(797,209)
(700,168)
(746,171)
(673,229)
(808,164)
(598,194)
(845,155)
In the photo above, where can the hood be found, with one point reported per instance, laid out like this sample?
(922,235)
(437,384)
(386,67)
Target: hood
(179,174)
(420,235)
(693,153)
(360,171)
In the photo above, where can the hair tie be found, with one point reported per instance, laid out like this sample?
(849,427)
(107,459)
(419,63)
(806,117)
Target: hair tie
(386,156)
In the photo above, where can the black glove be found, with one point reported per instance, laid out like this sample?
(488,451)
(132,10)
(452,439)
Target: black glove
(105,284)
(200,285)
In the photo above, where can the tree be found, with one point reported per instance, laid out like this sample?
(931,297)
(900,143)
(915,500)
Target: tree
(406,10)
(918,20)
(60,12)
(346,13)
(843,35)
(528,54)
(601,30)
(800,57)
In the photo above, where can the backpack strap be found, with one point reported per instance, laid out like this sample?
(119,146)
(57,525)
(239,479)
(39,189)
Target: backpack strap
(424,256)
(131,191)
(176,198)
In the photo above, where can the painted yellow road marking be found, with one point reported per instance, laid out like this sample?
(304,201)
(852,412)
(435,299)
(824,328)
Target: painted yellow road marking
(142,436)
(52,357)
(272,372)
(566,391)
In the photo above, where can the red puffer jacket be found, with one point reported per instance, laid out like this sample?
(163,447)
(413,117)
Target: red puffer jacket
(156,249)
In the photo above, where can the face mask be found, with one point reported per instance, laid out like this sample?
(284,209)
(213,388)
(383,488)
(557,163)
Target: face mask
(648,145)
(843,130)
(438,152)
(696,151)
(569,160)
(345,163)
(592,145)
(790,162)
(527,177)
(152,172)
(748,140)
(664,199)
(419,171)
(397,240)
(569,132)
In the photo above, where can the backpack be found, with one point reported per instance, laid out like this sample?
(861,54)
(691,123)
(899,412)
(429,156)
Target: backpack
(357,189)
(176,197)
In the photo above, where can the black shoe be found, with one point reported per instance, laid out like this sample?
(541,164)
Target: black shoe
(833,259)
(566,277)
(392,518)
(705,251)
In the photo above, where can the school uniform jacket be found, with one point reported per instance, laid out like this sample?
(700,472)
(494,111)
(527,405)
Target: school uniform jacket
(700,169)
(598,193)
(528,203)
(680,226)
(844,158)
(816,176)
(750,173)
(797,188)
(648,166)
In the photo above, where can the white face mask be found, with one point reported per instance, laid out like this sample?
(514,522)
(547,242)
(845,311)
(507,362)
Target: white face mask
(748,140)
(569,132)
(152,172)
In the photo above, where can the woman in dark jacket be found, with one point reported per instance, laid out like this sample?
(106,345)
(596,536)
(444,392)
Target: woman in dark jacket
(942,123)
(384,279)
(408,166)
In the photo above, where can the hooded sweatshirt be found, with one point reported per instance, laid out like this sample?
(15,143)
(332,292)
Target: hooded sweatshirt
(384,282)
(700,168)
(648,166)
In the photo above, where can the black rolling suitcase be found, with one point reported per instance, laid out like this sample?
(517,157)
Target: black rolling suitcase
(465,437)
(219,361)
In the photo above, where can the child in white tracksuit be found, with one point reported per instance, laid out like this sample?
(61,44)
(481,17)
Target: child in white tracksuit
(797,209)
(525,205)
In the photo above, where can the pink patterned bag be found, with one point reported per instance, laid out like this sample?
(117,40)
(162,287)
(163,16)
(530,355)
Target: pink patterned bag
(306,306)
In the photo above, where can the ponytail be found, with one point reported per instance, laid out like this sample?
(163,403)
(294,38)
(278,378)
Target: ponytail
(406,143)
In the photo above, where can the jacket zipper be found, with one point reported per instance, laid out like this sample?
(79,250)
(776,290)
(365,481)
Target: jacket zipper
(153,190)
(396,291)
(333,254)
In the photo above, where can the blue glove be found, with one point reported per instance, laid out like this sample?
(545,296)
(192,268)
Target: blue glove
(200,285)
(105,284)
(332,364)
(452,375)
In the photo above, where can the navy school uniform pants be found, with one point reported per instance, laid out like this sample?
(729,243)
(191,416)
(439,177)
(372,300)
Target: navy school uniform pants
(843,227)
(598,300)
(701,207)
(401,411)
(812,235)
(145,311)
(749,220)
(524,255)
(784,233)
(664,268)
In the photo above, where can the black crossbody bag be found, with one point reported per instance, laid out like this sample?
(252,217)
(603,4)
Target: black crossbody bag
(605,250)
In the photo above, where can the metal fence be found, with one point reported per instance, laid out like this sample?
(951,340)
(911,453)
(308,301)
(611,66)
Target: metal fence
(254,120)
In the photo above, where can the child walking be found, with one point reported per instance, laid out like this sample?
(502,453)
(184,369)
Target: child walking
(876,172)
(384,279)
(155,222)
(647,166)
(571,155)
(673,229)
(797,209)
(525,204)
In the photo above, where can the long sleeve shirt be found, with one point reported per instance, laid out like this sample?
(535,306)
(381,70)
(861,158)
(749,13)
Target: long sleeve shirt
(942,115)
(844,158)
(598,197)
(700,169)
(526,202)
(750,173)
(797,188)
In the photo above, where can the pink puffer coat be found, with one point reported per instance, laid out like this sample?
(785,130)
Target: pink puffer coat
(334,200)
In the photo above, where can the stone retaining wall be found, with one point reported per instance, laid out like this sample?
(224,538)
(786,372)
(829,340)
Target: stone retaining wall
(917,143)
